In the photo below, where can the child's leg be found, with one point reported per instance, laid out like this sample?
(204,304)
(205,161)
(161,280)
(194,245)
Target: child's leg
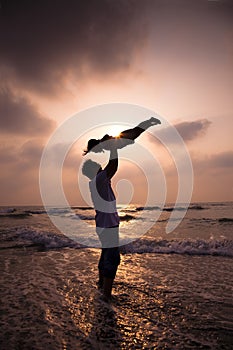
(132,134)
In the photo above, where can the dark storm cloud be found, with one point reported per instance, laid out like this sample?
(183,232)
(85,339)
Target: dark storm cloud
(189,131)
(18,116)
(42,41)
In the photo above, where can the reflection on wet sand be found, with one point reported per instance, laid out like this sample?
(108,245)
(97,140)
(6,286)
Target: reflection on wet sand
(161,302)
(105,332)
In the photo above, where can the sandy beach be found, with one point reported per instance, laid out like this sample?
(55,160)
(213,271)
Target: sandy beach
(49,300)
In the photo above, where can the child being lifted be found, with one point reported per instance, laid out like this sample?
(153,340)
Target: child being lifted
(125,138)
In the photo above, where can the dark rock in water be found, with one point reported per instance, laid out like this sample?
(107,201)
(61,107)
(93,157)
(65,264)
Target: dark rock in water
(81,208)
(35,211)
(168,209)
(196,207)
(126,217)
(225,220)
(16,215)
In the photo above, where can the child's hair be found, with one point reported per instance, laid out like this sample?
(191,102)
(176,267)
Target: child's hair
(91,144)
(90,168)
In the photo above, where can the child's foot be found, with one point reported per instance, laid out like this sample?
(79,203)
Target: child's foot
(154,121)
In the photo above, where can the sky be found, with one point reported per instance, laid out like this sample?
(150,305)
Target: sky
(173,57)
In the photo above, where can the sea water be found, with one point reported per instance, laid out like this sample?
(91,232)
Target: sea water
(207,228)
(173,291)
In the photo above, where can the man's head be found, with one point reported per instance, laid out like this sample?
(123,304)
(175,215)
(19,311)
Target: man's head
(90,169)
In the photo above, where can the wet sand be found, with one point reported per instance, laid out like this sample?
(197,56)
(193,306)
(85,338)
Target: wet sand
(49,300)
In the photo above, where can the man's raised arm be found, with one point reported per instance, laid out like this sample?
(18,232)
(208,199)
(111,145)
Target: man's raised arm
(112,165)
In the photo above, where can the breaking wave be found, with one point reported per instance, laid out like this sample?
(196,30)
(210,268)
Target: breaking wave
(27,236)
(191,247)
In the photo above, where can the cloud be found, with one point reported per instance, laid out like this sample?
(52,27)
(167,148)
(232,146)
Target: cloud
(223,160)
(28,155)
(189,131)
(18,116)
(7,156)
(43,41)
(22,157)
(19,175)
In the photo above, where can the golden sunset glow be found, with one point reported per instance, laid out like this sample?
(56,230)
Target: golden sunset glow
(115,130)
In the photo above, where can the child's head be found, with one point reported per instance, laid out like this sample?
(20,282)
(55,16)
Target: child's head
(94,146)
(90,168)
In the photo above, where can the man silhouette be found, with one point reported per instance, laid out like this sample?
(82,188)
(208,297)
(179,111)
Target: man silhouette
(106,218)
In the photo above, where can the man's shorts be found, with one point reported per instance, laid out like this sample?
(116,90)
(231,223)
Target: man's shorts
(110,256)
(109,236)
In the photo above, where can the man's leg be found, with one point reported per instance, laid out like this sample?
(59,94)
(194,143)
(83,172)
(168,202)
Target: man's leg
(111,262)
(100,283)
(110,257)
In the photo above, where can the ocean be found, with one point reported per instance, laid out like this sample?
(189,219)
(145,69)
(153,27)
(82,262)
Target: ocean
(172,290)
